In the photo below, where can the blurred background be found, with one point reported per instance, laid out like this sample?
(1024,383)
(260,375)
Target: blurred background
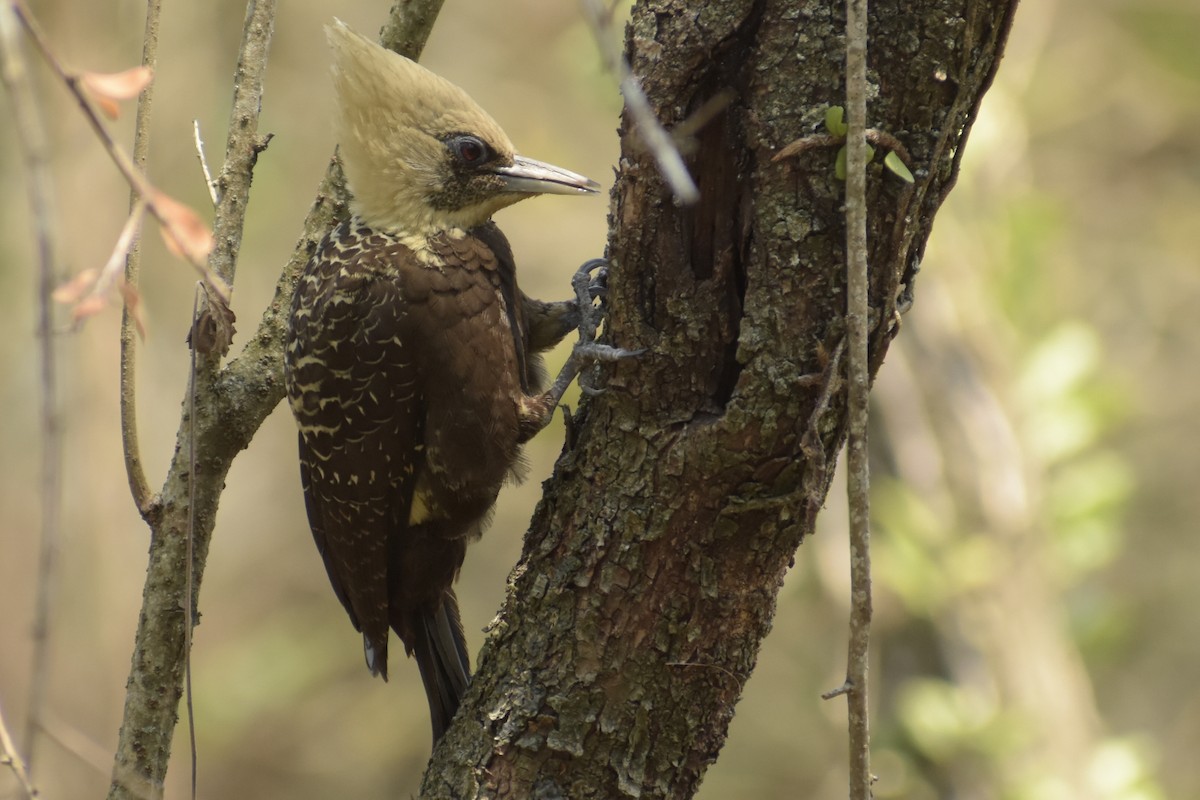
(1037,441)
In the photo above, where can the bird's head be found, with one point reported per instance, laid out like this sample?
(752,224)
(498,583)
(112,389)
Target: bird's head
(419,154)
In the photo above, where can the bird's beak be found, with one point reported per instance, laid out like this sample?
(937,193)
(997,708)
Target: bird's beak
(536,177)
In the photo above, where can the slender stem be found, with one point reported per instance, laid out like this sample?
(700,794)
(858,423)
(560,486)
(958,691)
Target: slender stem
(859,386)
(133,176)
(208,178)
(660,142)
(408,26)
(32,139)
(243,143)
(189,587)
(8,750)
(138,485)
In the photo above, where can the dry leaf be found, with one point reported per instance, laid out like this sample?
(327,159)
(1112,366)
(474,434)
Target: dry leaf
(109,107)
(133,304)
(213,328)
(74,289)
(89,306)
(109,87)
(184,232)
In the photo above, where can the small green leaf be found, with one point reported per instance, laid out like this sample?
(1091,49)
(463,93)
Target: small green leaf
(835,120)
(893,162)
(839,166)
(870,154)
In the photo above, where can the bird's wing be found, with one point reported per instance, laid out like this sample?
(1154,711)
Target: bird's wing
(504,270)
(352,387)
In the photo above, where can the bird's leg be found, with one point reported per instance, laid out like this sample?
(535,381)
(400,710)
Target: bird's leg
(589,287)
(550,322)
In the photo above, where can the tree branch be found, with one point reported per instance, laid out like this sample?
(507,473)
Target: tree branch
(139,487)
(243,143)
(8,749)
(32,139)
(858,369)
(654,136)
(173,217)
(230,406)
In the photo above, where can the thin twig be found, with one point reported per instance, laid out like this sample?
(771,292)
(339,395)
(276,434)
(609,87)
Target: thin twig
(243,143)
(190,553)
(71,739)
(230,196)
(208,178)
(829,379)
(139,487)
(31,135)
(120,255)
(857,368)
(656,138)
(8,751)
(684,134)
(156,202)
(873,135)
(408,26)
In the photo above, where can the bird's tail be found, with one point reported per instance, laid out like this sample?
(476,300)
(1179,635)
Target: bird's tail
(441,653)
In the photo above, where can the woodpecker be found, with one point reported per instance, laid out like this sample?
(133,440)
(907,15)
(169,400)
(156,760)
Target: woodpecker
(411,361)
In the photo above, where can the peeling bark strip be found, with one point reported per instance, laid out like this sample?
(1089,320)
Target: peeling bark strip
(649,575)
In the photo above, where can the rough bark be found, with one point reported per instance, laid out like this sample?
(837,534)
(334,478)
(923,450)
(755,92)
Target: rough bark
(649,576)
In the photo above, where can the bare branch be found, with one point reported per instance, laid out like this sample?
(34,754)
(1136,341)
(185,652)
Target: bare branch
(32,139)
(138,485)
(8,751)
(208,178)
(874,136)
(243,143)
(408,26)
(181,241)
(858,369)
(89,292)
(189,611)
(661,143)
(74,741)
(231,191)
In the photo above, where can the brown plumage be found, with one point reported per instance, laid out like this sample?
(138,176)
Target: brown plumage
(410,363)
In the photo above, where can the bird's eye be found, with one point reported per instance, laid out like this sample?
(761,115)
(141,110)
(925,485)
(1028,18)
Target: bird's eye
(470,150)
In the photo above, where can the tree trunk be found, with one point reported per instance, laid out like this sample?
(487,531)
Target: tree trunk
(649,576)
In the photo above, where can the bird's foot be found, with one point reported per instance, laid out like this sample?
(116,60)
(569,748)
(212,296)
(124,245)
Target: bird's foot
(591,294)
(595,272)
(550,322)
(590,283)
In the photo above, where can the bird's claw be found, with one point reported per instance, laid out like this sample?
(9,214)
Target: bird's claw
(596,352)
(588,353)
(590,283)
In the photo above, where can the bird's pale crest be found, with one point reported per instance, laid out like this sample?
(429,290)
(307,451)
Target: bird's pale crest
(392,118)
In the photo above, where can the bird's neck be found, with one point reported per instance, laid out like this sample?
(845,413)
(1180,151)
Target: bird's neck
(419,238)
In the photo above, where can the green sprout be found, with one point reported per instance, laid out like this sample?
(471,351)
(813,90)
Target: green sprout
(835,123)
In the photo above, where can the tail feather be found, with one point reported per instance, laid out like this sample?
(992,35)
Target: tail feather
(440,650)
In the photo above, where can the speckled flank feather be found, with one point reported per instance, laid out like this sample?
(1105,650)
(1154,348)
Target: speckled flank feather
(408,380)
